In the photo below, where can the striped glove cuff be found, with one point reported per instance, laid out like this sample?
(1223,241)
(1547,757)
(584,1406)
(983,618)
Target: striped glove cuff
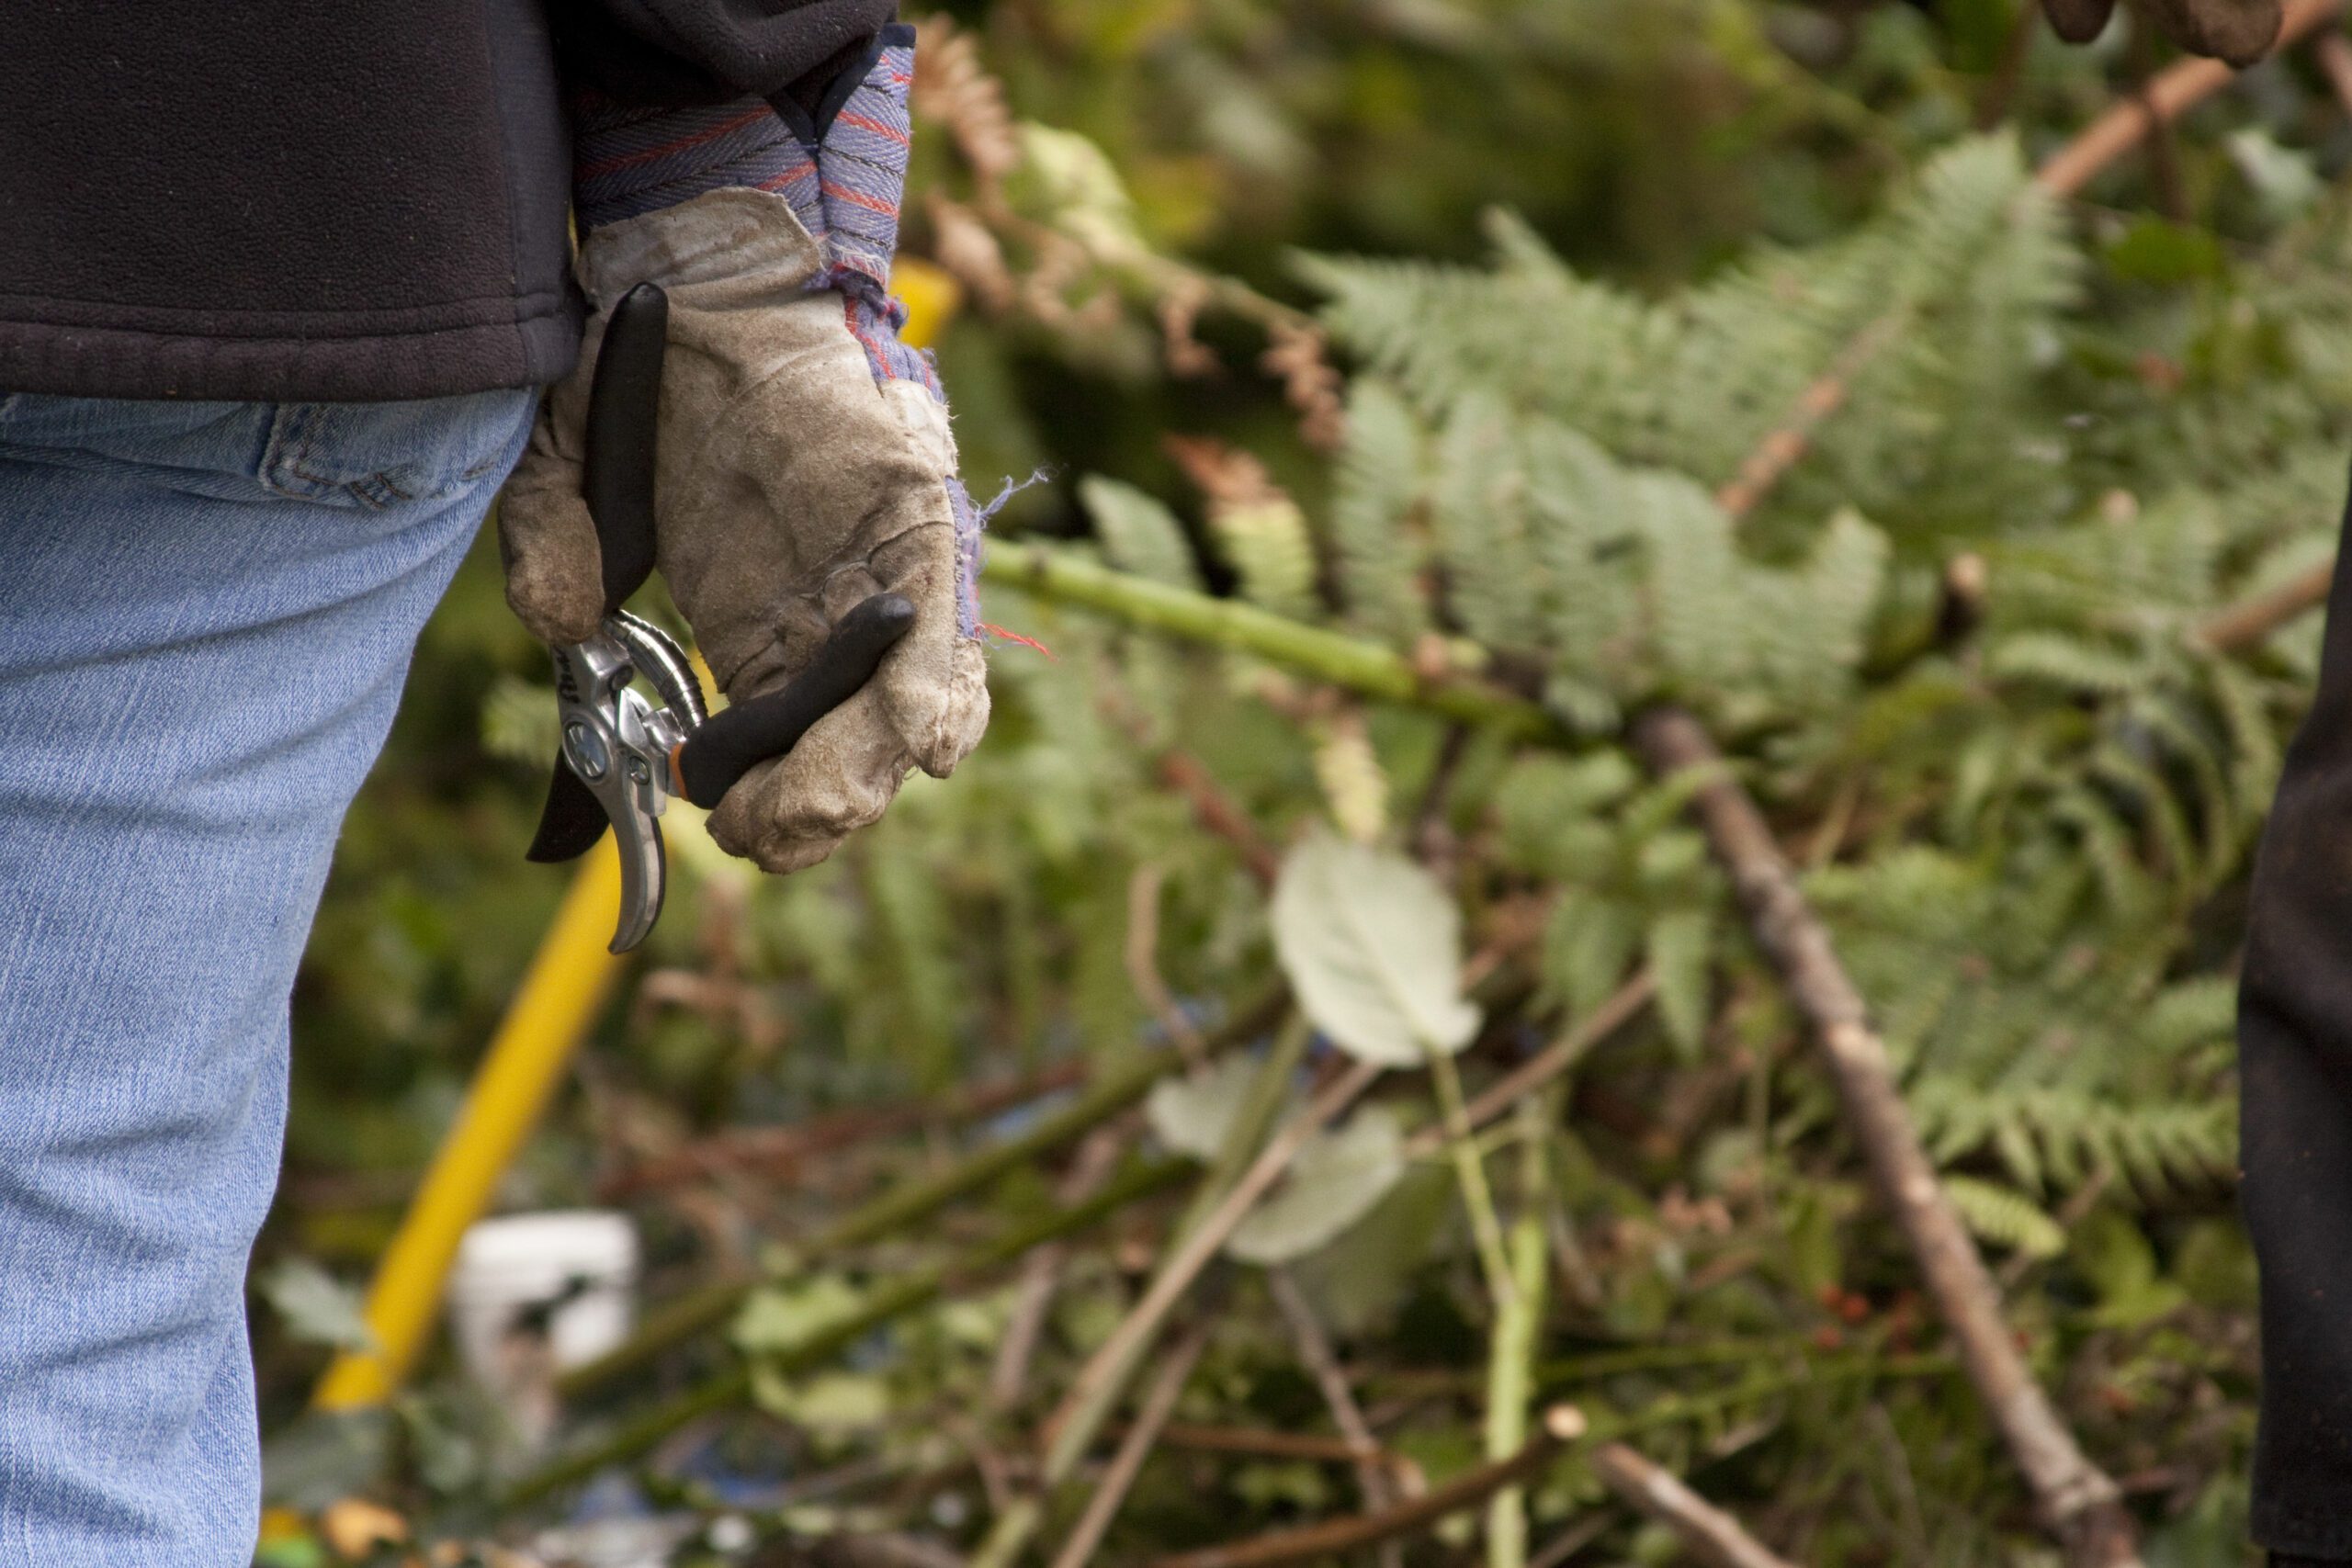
(844,171)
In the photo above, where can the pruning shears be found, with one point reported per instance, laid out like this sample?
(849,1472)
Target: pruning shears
(623,758)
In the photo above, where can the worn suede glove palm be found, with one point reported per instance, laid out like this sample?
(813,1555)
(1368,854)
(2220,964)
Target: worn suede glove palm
(805,462)
(2238,31)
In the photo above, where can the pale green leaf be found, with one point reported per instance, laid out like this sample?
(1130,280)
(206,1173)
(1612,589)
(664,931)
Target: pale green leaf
(1372,945)
(1335,1180)
(316,1307)
(781,1317)
(1193,1115)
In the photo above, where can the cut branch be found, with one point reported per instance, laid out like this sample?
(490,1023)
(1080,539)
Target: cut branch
(2246,624)
(1707,1533)
(2078,1503)
(1532,1074)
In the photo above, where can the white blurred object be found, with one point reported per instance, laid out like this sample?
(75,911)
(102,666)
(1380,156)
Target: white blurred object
(532,1294)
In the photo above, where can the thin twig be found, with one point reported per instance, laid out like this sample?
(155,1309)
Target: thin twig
(1322,1362)
(1215,810)
(1993,107)
(1562,1425)
(1547,1064)
(1033,1298)
(2078,1502)
(1771,458)
(2164,146)
(1259,1443)
(1707,1534)
(1158,1404)
(1573,1539)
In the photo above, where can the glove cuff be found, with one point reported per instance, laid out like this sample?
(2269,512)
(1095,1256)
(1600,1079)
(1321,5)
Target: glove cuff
(627,162)
(842,170)
(862,167)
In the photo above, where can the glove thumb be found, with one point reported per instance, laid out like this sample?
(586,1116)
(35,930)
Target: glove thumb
(555,577)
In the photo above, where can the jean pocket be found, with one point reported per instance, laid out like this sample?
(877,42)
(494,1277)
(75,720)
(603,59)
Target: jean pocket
(376,456)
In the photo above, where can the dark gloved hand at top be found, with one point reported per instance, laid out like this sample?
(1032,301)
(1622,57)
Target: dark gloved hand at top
(2238,31)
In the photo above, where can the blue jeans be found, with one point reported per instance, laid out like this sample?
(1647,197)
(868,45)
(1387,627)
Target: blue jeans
(207,610)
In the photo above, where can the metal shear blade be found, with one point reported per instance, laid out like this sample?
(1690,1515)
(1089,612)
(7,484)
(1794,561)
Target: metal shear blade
(615,768)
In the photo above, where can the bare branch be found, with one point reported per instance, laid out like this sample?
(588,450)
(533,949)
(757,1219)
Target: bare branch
(1707,1534)
(1562,1424)
(1372,1477)
(2078,1503)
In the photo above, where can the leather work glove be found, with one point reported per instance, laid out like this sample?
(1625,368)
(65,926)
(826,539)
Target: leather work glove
(805,462)
(2238,31)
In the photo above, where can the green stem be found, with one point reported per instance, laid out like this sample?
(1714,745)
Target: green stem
(890,1301)
(1116,1088)
(1470,1175)
(1371,669)
(1510,1372)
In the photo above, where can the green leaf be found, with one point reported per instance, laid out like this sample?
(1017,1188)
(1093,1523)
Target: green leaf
(831,1402)
(1335,1180)
(2156,251)
(519,721)
(781,1317)
(2004,1216)
(317,1308)
(1680,946)
(1139,533)
(1373,947)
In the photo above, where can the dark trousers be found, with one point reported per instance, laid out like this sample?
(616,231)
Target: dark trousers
(2295,1118)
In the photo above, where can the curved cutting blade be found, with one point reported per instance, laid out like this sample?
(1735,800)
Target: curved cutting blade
(644,876)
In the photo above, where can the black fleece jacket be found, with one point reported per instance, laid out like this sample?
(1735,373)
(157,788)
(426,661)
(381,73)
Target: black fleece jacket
(333,199)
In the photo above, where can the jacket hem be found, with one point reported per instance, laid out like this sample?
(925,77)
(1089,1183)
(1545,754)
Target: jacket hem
(115,362)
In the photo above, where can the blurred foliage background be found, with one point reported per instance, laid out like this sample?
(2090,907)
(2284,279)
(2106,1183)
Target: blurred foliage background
(1443,325)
